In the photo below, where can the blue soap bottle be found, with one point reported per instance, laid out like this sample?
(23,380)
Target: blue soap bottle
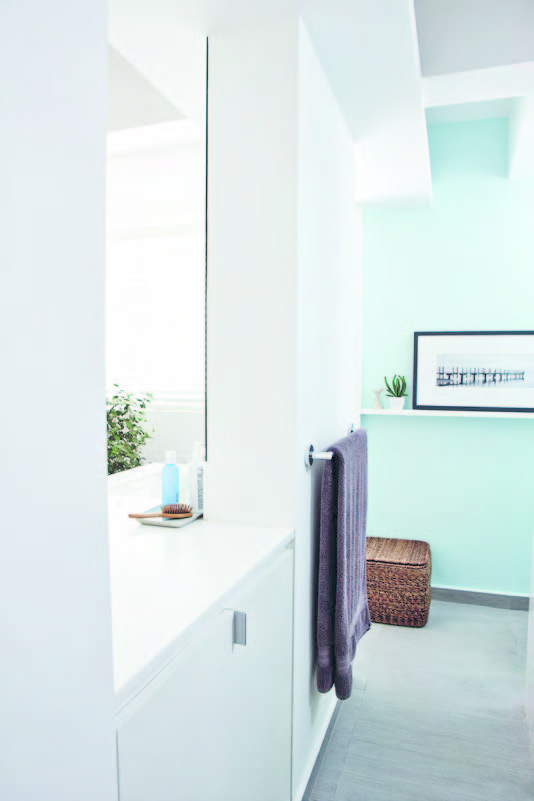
(170,480)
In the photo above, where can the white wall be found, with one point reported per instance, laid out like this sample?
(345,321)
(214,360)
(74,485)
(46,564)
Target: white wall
(530,657)
(521,139)
(329,298)
(252,277)
(283,308)
(57,738)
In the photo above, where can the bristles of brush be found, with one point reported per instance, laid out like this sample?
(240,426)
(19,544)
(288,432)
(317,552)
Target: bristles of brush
(177,509)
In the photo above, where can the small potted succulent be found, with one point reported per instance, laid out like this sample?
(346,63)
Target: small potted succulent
(396,392)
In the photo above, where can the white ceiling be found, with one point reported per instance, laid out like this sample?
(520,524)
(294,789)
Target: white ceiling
(132,100)
(367,48)
(477,57)
(461,35)
(372,52)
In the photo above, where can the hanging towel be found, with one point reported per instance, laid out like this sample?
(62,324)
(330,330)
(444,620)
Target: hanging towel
(342,610)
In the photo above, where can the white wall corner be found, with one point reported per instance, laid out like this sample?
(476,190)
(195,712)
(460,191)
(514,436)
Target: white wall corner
(392,157)
(530,657)
(392,165)
(521,139)
(328,354)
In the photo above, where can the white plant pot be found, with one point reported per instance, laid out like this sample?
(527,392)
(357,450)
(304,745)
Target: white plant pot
(396,404)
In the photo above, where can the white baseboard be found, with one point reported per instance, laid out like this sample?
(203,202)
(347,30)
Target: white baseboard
(298,793)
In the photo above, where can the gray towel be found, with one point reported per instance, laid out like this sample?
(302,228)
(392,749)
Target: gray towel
(342,610)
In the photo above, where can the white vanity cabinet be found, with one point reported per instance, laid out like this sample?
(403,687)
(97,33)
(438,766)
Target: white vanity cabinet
(215,723)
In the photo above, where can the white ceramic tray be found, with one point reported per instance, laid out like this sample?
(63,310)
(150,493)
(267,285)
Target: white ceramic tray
(168,522)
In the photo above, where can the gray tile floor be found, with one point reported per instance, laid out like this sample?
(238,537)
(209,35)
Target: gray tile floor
(437,714)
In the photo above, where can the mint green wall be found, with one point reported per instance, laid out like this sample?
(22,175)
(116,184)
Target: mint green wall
(466,263)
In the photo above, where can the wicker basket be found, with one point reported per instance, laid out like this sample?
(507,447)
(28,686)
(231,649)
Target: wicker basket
(398,581)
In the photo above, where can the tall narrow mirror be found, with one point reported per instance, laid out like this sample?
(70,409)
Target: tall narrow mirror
(156,262)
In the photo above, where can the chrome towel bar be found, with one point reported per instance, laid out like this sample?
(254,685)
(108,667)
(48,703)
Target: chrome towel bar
(310,456)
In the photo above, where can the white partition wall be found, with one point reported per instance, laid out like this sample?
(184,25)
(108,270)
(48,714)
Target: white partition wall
(328,325)
(530,657)
(252,273)
(57,739)
(283,308)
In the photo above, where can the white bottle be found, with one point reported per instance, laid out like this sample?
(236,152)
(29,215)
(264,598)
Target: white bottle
(196,477)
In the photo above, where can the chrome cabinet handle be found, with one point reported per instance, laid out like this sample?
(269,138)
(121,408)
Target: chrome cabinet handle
(240,628)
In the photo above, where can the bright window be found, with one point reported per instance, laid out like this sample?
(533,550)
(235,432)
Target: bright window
(156,263)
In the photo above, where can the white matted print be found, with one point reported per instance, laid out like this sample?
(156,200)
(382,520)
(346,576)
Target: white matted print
(474,371)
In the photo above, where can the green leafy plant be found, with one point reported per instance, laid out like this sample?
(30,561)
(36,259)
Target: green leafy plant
(127,433)
(397,388)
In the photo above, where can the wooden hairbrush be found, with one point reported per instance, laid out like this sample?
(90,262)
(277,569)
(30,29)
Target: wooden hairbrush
(173,511)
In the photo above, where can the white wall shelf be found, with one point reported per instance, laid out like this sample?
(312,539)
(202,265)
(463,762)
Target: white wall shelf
(427,413)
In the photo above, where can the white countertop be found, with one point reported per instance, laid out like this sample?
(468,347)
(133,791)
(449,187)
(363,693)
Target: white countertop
(167,584)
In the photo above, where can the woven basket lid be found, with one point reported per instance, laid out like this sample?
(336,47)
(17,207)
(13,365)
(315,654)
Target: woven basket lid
(398,552)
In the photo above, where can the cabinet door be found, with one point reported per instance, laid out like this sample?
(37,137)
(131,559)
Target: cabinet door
(215,725)
(261,762)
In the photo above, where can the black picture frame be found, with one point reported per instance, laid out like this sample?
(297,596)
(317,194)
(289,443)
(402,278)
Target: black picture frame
(489,409)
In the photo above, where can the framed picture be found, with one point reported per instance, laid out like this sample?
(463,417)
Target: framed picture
(474,371)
